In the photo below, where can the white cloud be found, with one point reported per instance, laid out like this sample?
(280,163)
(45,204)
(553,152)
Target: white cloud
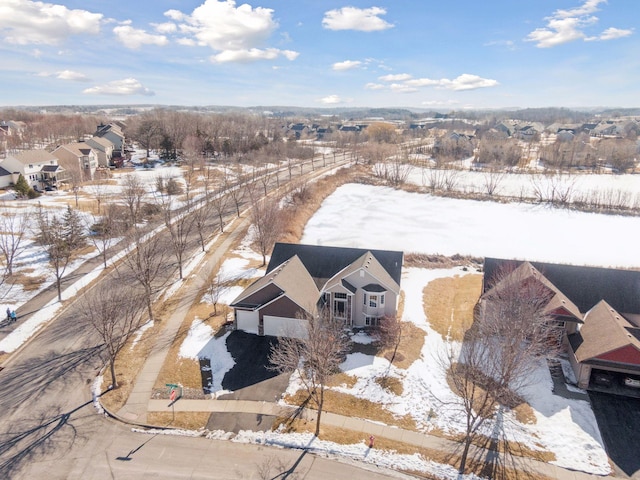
(611,34)
(402,88)
(222,26)
(331,100)
(466,81)
(165,28)
(346,65)
(72,76)
(352,18)
(25,22)
(128,86)
(134,38)
(237,34)
(422,82)
(398,77)
(404,83)
(252,55)
(565,26)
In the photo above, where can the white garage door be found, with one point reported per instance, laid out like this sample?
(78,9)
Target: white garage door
(247,321)
(285,327)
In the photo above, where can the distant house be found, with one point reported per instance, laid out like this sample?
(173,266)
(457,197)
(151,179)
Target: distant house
(113,133)
(357,286)
(599,309)
(39,167)
(103,148)
(78,156)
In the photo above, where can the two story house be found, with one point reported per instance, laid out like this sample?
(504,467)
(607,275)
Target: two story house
(79,157)
(358,287)
(39,167)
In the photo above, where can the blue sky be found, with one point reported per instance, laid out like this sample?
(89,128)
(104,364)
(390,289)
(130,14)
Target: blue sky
(350,53)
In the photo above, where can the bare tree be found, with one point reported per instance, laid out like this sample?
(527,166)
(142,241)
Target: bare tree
(511,333)
(388,334)
(146,263)
(114,313)
(267,220)
(133,192)
(103,231)
(315,357)
(491,180)
(217,287)
(219,201)
(13,229)
(179,227)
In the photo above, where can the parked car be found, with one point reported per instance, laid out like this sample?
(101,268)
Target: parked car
(602,379)
(632,382)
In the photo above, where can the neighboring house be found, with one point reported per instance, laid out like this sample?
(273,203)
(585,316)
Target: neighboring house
(357,286)
(113,133)
(600,311)
(103,148)
(78,156)
(39,167)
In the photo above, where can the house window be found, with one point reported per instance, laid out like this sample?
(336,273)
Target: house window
(371,321)
(381,299)
(340,295)
(373,301)
(364,299)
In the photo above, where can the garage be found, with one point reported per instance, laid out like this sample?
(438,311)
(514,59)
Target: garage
(247,321)
(283,326)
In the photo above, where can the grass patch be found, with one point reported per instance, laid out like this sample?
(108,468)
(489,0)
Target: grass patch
(28,282)
(342,378)
(344,404)
(410,348)
(128,363)
(391,384)
(448,304)
(185,420)
(424,260)
(525,414)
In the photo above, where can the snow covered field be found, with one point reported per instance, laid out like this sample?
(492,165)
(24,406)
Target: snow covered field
(383,218)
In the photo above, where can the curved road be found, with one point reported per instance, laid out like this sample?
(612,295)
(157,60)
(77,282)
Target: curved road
(50,429)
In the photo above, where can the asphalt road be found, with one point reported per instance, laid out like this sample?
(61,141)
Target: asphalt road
(49,428)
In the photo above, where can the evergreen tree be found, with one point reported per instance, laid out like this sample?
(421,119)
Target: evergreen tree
(22,187)
(73,230)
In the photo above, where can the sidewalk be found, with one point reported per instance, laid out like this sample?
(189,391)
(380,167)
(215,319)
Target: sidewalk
(366,427)
(135,410)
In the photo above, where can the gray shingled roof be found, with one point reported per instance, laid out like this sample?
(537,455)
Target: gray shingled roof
(324,262)
(584,286)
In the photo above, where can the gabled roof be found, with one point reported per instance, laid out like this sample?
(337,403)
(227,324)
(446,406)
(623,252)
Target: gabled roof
(4,172)
(79,149)
(104,129)
(292,280)
(558,302)
(604,331)
(103,142)
(34,156)
(324,262)
(584,286)
(370,264)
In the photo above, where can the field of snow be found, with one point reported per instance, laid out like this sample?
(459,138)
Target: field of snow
(384,218)
(521,185)
(389,219)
